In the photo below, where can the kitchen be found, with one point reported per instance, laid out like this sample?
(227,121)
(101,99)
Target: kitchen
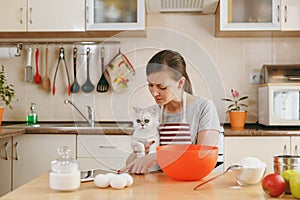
(231,59)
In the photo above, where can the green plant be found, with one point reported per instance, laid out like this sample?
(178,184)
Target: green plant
(236,104)
(7,91)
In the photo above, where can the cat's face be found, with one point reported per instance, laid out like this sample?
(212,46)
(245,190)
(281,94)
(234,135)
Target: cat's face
(145,118)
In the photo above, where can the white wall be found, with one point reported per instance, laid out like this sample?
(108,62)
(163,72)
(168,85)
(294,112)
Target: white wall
(215,65)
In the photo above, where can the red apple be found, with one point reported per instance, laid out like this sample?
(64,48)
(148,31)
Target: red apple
(274,185)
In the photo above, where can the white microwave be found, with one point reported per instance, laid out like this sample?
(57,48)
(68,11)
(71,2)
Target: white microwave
(278,105)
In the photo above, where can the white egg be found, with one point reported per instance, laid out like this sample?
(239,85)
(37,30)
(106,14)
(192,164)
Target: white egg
(101,181)
(129,179)
(118,181)
(109,175)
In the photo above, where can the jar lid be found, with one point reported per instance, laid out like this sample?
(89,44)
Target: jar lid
(64,163)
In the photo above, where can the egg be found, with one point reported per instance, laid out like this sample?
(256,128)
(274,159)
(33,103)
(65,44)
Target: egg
(118,181)
(129,179)
(109,175)
(101,181)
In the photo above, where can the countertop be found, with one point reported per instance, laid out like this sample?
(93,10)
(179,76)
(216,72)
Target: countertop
(151,186)
(10,132)
(260,130)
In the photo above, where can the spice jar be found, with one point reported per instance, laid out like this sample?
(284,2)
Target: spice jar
(65,174)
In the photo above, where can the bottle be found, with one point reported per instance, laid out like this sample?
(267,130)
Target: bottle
(32,117)
(65,173)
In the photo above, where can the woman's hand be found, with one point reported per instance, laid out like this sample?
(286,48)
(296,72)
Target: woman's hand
(140,165)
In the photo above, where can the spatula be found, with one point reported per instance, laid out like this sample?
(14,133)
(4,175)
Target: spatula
(46,81)
(103,84)
(88,86)
(37,77)
(75,86)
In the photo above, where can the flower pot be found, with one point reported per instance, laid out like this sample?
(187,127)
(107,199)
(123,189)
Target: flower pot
(237,119)
(1,114)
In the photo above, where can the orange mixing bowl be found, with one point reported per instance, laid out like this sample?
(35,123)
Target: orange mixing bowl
(187,162)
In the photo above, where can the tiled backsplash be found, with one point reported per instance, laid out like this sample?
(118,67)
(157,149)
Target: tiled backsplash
(215,65)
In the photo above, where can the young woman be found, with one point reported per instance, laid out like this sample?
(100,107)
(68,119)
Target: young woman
(194,118)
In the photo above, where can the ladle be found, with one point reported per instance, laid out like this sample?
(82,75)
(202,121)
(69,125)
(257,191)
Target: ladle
(213,178)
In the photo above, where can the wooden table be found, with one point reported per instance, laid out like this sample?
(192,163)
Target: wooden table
(152,186)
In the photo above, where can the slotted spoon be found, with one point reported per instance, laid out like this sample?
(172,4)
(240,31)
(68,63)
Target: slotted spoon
(103,84)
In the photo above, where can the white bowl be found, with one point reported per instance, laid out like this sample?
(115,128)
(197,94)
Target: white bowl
(249,176)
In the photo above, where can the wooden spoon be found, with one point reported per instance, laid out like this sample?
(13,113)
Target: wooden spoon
(46,81)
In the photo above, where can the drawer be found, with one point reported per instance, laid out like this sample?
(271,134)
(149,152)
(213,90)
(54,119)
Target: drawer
(103,146)
(101,163)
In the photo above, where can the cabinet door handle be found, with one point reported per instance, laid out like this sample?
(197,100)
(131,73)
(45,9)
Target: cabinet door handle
(17,151)
(285,13)
(296,150)
(30,15)
(87,14)
(278,13)
(21,15)
(107,147)
(6,151)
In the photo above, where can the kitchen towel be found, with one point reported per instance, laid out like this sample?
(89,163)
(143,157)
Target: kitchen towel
(8,52)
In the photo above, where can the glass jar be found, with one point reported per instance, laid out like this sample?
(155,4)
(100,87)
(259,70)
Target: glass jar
(65,173)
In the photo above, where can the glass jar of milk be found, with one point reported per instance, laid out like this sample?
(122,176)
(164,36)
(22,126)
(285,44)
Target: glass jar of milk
(65,174)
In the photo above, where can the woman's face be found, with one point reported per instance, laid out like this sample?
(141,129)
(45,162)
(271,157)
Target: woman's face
(163,88)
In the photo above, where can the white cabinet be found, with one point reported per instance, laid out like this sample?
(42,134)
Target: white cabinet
(42,15)
(237,15)
(115,15)
(103,151)
(13,15)
(34,152)
(5,165)
(290,15)
(264,148)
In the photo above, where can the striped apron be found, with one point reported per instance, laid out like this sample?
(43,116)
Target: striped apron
(175,132)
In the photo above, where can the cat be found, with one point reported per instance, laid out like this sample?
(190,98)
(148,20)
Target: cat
(145,123)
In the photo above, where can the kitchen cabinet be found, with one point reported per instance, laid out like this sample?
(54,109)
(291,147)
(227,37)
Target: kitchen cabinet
(258,15)
(33,153)
(5,165)
(115,15)
(262,147)
(42,15)
(103,151)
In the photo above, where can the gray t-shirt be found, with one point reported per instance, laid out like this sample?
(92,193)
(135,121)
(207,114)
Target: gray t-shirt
(201,114)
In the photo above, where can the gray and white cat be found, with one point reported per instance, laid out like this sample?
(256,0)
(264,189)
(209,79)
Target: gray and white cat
(145,123)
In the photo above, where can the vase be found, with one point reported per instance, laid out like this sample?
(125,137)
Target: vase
(1,114)
(237,119)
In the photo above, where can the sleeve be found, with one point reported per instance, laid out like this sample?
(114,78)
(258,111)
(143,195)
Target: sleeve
(208,117)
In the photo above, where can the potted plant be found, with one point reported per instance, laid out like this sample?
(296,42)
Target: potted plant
(237,115)
(7,93)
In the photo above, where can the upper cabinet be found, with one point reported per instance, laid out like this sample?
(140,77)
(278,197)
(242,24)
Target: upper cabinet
(257,15)
(55,15)
(42,15)
(115,15)
(13,15)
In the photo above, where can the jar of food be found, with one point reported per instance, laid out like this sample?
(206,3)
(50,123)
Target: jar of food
(64,174)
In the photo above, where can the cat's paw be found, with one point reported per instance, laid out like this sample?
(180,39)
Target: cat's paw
(139,147)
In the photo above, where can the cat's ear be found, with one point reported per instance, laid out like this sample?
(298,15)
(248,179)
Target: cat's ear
(152,110)
(136,110)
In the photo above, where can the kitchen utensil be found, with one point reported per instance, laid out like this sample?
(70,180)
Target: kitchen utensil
(37,77)
(75,86)
(103,84)
(28,68)
(88,86)
(120,71)
(213,178)
(46,81)
(285,161)
(61,57)
(187,162)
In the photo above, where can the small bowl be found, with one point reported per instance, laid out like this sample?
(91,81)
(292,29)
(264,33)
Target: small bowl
(249,176)
(187,162)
